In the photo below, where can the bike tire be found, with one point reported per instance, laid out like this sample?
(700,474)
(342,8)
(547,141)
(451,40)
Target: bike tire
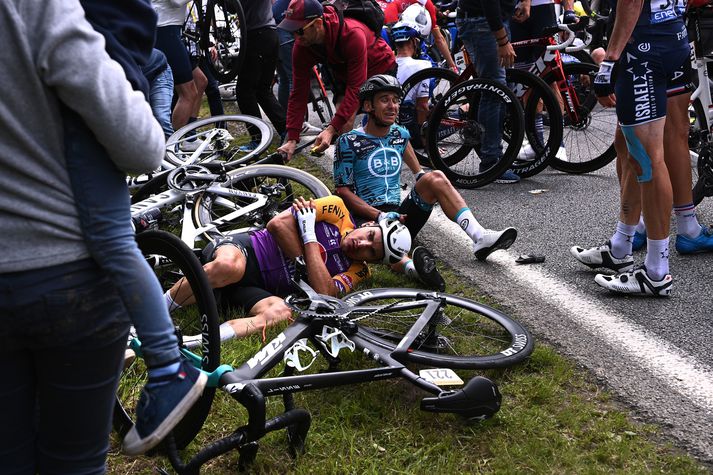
(468,335)
(534,91)
(225,29)
(453,134)
(321,104)
(281,183)
(440,80)
(241,130)
(589,122)
(173,258)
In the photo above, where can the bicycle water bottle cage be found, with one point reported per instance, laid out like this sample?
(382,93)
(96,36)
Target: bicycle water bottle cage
(479,399)
(190,178)
(292,355)
(334,340)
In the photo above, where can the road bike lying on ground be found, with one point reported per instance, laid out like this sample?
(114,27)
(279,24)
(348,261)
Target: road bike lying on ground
(389,327)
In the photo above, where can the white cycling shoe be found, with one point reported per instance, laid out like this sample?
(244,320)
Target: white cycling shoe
(492,240)
(636,282)
(601,256)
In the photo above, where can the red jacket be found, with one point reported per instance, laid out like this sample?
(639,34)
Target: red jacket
(358,56)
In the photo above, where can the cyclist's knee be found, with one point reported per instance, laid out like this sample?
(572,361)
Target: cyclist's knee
(227,268)
(430,184)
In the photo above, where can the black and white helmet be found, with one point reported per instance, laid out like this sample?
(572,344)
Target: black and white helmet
(379,83)
(397,240)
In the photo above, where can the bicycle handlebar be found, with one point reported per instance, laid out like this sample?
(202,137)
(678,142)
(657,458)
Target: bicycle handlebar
(572,31)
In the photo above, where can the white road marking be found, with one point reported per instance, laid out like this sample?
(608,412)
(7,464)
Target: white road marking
(674,367)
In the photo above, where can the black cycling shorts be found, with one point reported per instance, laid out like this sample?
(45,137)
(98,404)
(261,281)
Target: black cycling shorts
(654,65)
(251,289)
(168,40)
(416,210)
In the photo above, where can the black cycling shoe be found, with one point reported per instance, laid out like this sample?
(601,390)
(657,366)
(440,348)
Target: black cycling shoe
(425,264)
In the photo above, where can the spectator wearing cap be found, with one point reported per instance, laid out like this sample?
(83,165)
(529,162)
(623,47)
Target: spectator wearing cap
(351,50)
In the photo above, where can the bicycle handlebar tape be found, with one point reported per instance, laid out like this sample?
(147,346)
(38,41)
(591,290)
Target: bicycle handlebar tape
(478,400)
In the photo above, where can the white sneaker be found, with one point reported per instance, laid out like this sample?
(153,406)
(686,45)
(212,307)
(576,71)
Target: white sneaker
(601,256)
(561,154)
(309,129)
(193,145)
(636,282)
(492,241)
(129,357)
(527,152)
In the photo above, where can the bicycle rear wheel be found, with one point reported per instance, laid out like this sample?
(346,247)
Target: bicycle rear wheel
(277,185)
(225,30)
(589,127)
(171,259)
(457,126)
(438,81)
(465,334)
(543,122)
(229,138)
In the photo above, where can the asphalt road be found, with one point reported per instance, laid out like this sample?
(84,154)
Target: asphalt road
(654,354)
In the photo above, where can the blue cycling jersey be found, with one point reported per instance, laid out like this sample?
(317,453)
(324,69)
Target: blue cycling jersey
(659,11)
(371,166)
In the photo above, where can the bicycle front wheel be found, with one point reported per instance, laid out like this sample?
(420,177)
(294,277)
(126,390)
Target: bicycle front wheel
(171,260)
(476,122)
(464,334)
(260,193)
(228,138)
(589,127)
(225,31)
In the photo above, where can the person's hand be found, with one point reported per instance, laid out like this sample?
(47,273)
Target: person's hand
(507,55)
(569,17)
(389,215)
(288,149)
(522,12)
(213,54)
(603,85)
(324,139)
(305,214)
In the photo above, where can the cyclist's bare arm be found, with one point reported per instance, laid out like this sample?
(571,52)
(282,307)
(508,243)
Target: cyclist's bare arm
(356,205)
(284,229)
(410,159)
(443,48)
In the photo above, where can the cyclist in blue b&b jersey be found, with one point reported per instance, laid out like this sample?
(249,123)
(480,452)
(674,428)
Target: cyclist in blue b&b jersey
(645,74)
(367,176)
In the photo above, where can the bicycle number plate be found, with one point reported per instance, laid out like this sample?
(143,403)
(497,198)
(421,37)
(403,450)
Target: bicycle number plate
(441,376)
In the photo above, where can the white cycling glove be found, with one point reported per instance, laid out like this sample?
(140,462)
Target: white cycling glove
(306,218)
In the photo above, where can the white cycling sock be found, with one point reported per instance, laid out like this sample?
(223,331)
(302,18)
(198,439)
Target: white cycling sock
(641,227)
(656,258)
(622,240)
(686,220)
(226,331)
(469,224)
(170,303)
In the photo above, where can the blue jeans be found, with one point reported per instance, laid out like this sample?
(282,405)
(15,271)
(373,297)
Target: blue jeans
(284,66)
(63,332)
(483,50)
(103,204)
(161,97)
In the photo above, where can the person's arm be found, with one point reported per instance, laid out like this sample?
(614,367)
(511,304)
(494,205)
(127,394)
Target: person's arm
(317,273)
(356,205)
(283,228)
(302,62)
(410,160)
(119,117)
(355,43)
(627,14)
(443,48)
(493,14)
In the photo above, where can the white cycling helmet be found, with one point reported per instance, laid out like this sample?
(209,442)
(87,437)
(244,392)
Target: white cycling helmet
(419,17)
(397,240)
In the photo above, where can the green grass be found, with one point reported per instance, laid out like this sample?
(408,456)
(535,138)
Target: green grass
(554,419)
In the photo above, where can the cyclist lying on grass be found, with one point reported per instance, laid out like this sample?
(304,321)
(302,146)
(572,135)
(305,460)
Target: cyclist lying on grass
(367,174)
(254,269)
